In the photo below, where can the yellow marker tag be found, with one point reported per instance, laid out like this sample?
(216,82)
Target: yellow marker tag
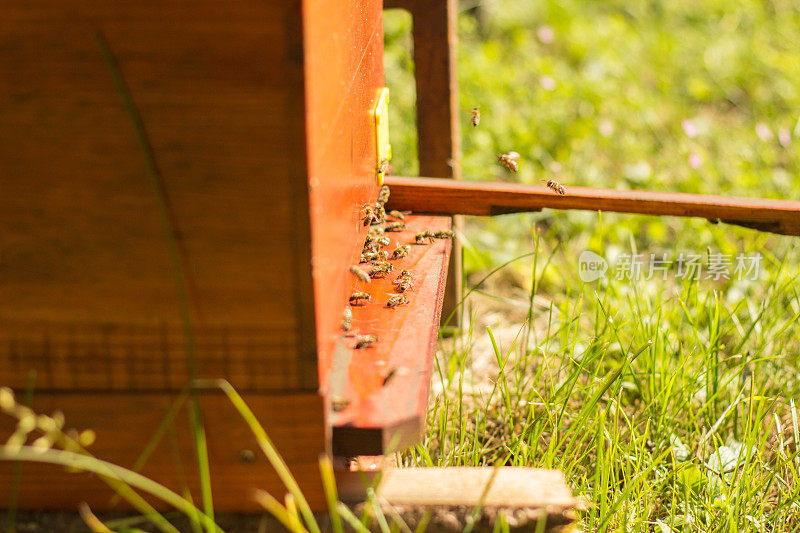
(383,150)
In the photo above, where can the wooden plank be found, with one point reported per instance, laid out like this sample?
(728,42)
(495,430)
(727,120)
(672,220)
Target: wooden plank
(474,486)
(438,112)
(125,422)
(343,54)
(429,195)
(386,385)
(219,90)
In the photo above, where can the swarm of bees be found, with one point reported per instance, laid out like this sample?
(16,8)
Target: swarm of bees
(555,186)
(509,160)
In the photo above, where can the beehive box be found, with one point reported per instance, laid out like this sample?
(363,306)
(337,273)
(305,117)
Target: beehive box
(182,179)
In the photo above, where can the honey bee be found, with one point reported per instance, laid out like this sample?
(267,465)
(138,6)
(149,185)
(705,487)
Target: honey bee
(383,166)
(388,376)
(357,297)
(380,214)
(397,299)
(339,403)
(365,341)
(509,160)
(399,215)
(375,232)
(360,274)
(403,284)
(423,236)
(476,116)
(367,214)
(555,186)
(347,318)
(405,274)
(383,194)
(401,251)
(443,234)
(395,226)
(381,268)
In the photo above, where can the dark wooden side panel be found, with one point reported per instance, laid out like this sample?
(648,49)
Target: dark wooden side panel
(344,72)
(124,423)
(87,282)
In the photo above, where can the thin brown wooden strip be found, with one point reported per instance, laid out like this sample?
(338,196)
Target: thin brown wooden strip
(428,195)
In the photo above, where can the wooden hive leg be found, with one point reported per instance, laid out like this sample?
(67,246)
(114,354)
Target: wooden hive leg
(438,131)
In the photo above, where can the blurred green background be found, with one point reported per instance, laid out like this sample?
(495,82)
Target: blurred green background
(683,96)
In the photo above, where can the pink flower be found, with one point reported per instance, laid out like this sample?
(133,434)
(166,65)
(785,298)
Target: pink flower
(545,34)
(763,132)
(689,128)
(784,137)
(695,160)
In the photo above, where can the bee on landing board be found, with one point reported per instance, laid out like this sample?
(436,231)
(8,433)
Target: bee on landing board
(395,226)
(367,214)
(365,341)
(401,251)
(555,186)
(398,215)
(476,116)
(397,299)
(509,160)
(383,194)
(424,237)
(358,298)
(443,234)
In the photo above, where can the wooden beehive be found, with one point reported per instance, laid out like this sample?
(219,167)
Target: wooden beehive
(182,180)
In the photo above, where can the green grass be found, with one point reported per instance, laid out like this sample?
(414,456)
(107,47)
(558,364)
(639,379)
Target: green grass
(697,430)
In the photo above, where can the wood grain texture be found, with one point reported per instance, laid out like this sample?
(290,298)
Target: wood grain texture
(428,195)
(344,73)
(82,246)
(387,384)
(125,422)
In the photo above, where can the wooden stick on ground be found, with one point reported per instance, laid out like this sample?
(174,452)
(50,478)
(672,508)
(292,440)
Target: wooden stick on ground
(444,197)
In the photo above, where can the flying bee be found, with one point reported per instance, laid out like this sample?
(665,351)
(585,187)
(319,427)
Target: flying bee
(443,234)
(367,214)
(397,299)
(360,274)
(476,116)
(555,186)
(399,215)
(347,318)
(423,236)
(357,297)
(365,341)
(509,160)
(383,194)
(401,251)
(395,226)
(339,403)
